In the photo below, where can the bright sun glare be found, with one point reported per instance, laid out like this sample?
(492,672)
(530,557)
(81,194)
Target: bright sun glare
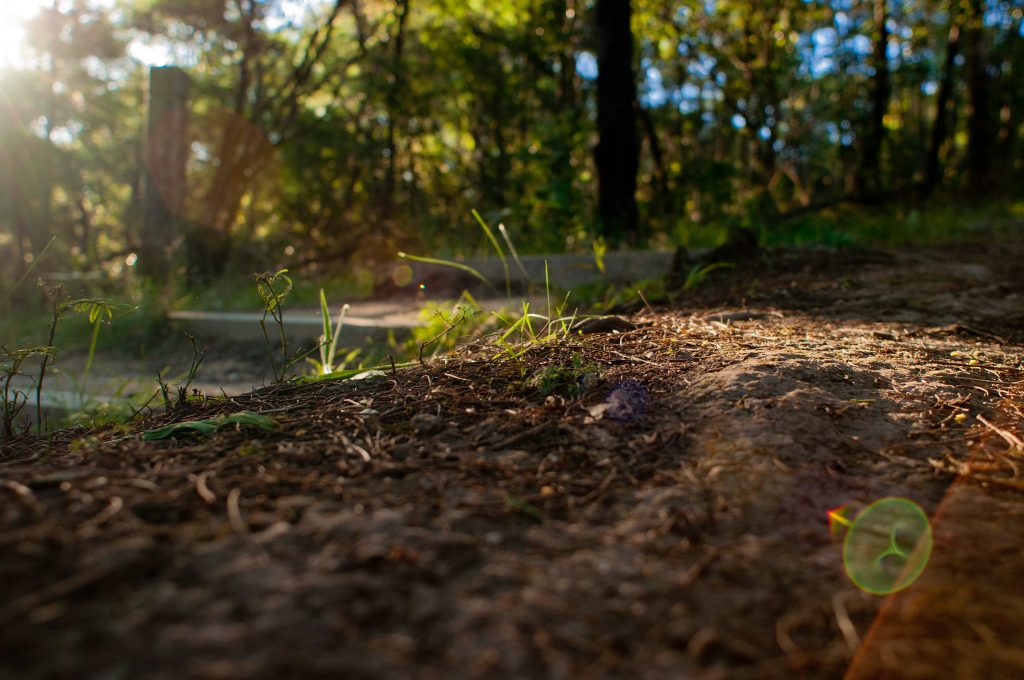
(13,14)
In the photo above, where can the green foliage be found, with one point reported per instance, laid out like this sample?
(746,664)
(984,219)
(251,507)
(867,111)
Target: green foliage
(210,426)
(60,305)
(273,288)
(497,249)
(602,296)
(95,310)
(438,329)
(525,508)
(13,399)
(328,341)
(359,129)
(700,272)
(600,249)
(570,380)
(182,387)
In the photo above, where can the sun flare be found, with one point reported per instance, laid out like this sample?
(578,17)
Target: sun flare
(13,16)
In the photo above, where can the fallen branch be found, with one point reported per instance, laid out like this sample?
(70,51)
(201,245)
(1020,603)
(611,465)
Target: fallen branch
(1010,438)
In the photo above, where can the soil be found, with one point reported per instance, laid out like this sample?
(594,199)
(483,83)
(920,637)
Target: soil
(646,503)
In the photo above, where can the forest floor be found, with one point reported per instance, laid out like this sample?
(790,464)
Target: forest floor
(649,503)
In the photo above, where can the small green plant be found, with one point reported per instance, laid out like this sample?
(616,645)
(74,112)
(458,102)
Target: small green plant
(97,311)
(87,410)
(328,341)
(462,314)
(699,274)
(60,306)
(439,321)
(554,325)
(497,249)
(182,387)
(515,255)
(273,288)
(600,248)
(13,399)
(572,380)
(210,426)
(601,296)
(473,272)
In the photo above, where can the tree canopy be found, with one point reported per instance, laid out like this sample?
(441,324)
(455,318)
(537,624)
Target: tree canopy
(333,131)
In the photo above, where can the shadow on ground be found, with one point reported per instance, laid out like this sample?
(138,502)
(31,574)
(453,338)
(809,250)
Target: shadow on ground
(467,519)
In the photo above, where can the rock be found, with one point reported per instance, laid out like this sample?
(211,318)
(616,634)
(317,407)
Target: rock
(626,401)
(427,423)
(604,324)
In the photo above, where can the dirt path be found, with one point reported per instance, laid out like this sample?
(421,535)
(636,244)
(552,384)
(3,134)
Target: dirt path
(651,503)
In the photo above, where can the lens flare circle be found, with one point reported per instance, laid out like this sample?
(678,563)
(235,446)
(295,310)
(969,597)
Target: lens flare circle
(888,546)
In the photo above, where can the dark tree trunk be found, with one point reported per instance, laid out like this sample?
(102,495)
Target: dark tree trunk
(979,127)
(617,153)
(166,157)
(932,166)
(394,112)
(871,169)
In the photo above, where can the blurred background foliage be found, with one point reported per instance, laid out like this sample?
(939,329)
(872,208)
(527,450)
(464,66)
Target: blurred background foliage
(328,134)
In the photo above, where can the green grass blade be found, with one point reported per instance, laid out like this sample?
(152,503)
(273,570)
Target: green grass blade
(325,317)
(91,356)
(512,329)
(515,255)
(600,248)
(497,248)
(325,336)
(547,287)
(28,271)
(349,372)
(332,352)
(699,273)
(526,317)
(448,263)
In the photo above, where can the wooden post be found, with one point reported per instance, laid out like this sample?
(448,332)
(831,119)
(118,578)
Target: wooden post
(166,154)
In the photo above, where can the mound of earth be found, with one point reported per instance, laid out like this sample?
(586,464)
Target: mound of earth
(648,503)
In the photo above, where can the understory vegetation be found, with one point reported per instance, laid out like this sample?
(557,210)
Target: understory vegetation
(155,155)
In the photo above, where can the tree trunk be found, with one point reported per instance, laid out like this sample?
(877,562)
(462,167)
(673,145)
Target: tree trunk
(166,155)
(393,105)
(932,166)
(617,153)
(979,128)
(871,170)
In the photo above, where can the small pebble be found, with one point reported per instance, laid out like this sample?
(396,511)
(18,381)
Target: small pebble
(626,401)
(427,423)
(604,324)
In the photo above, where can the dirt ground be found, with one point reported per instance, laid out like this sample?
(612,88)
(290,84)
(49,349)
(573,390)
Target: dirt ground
(648,503)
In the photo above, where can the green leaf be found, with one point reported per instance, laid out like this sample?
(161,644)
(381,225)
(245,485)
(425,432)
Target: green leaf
(448,263)
(211,425)
(523,506)
(497,249)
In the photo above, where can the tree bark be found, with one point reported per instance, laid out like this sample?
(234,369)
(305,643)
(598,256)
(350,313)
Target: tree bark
(393,105)
(871,168)
(932,164)
(166,155)
(979,128)
(617,153)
